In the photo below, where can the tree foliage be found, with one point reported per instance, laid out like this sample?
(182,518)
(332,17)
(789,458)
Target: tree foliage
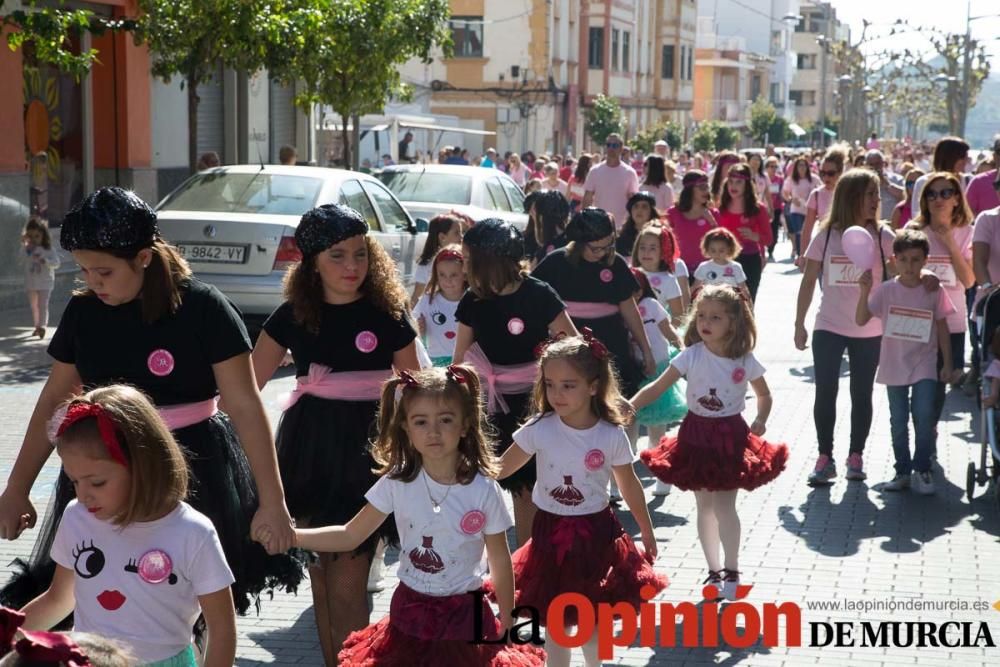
(668,130)
(763,117)
(347,53)
(725,137)
(704,136)
(604,118)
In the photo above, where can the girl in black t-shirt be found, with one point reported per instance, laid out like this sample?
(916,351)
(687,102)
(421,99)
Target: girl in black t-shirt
(501,320)
(345,321)
(551,216)
(143,320)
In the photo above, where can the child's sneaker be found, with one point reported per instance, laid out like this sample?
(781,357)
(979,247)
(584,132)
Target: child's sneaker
(730,580)
(898,483)
(824,471)
(714,578)
(923,483)
(662,488)
(855,467)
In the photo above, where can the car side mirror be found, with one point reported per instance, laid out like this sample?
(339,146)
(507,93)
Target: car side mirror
(422,225)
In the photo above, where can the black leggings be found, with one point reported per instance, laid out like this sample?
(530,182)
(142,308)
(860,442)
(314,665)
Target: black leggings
(828,352)
(775,228)
(957,361)
(752,266)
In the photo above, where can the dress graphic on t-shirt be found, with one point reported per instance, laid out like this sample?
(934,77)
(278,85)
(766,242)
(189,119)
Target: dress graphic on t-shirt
(425,559)
(712,401)
(566,493)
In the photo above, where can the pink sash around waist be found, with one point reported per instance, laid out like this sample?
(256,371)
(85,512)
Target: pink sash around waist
(589,310)
(188,414)
(345,385)
(499,380)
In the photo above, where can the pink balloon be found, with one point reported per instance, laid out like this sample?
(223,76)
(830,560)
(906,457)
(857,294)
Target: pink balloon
(859,247)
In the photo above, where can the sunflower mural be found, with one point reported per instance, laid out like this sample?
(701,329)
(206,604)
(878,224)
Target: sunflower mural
(42,126)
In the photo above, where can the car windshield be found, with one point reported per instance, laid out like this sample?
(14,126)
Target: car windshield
(219,192)
(429,187)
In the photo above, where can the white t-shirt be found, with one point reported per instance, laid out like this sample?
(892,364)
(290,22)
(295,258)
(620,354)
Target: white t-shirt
(442,553)
(422,272)
(716,386)
(710,273)
(440,323)
(665,284)
(114,601)
(612,186)
(574,466)
(652,313)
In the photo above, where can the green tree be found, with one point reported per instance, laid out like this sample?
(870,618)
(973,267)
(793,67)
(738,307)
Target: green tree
(668,130)
(763,115)
(725,137)
(778,132)
(347,53)
(604,118)
(704,136)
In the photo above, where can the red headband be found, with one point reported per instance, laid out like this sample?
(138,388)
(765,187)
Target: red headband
(105,426)
(698,181)
(448,255)
(737,176)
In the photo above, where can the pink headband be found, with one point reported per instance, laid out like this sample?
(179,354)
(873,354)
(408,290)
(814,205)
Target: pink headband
(737,177)
(700,181)
(105,426)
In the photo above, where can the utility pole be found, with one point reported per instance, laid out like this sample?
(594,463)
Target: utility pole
(824,46)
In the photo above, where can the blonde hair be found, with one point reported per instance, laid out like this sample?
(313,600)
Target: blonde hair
(960,217)
(586,357)
(848,198)
(742,337)
(158,470)
(393,451)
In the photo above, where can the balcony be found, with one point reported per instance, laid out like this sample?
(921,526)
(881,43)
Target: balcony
(727,111)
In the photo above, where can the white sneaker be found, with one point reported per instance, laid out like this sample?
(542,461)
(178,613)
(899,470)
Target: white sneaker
(662,488)
(898,483)
(923,483)
(730,580)
(376,576)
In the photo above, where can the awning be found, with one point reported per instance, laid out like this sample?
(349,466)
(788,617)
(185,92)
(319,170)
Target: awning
(828,132)
(796,129)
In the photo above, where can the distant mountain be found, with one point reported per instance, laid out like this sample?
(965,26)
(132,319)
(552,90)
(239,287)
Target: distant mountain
(984,118)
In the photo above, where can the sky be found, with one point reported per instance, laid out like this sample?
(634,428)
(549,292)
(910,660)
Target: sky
(947,15)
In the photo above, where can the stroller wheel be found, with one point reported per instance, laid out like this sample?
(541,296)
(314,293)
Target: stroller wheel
(970,481)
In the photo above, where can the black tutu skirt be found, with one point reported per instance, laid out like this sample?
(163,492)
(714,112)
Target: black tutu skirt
(715,454)
(324,454)
(221,487)
(589,554)
(611,331)
(505,423)
(428,631)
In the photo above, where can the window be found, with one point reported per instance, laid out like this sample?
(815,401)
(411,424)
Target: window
(595,49)
(467,34)
(615,36)
(626,38)
(667,64)
(495,189)
(755,86)
(393,215)
(806,61)
(803,98)
(687,62)
(514,193)
(352,195)
(776,98)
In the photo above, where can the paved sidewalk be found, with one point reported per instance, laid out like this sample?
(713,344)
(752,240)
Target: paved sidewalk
(847,542)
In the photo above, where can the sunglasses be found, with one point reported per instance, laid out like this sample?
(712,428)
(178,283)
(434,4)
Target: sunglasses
(613,144)
(828,172)
(771,166)
(601,249)
(946,194)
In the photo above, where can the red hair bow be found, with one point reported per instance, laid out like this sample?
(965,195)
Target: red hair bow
(407,378)
(455,373)
(540,348)
(51,647)
(597,348)
(105,427)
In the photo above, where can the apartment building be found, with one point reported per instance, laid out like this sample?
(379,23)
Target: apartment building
(814,86)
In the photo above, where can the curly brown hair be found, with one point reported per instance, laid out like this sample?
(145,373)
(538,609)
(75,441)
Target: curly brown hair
(396,455)
(382,286)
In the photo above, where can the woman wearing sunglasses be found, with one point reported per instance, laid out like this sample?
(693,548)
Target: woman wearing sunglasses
(818,203)
(692,217)
(946,219)
(901,214)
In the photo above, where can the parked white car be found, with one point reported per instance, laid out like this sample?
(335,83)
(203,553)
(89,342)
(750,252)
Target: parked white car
(236,225)
(429,189)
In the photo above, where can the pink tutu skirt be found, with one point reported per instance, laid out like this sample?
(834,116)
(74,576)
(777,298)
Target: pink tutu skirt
(589,554)
(715,454)
(429,631)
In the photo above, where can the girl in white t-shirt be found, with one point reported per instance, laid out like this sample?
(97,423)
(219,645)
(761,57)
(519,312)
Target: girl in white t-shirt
(722,248)
(715,453)
(656,252)
(444,230)
(133,562)
(435,310)
(438,482)
(579,441)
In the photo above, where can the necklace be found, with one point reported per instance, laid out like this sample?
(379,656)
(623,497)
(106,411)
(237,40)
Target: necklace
(435,504)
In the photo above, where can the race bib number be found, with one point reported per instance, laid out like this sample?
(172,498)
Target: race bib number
(909,324)
(942,267)
(775,188)
(842,272)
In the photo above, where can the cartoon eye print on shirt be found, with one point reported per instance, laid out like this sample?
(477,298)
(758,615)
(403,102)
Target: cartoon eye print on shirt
(153,567)
(712,275)
(89,560)
(439,318)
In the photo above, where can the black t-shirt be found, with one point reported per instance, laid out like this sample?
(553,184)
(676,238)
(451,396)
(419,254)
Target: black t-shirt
(354,336)
(509,327)
(593,282)
(556,243)
(626,241)
(170,359)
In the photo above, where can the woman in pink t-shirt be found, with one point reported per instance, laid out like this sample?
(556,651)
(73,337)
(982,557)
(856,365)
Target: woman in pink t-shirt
(796,191)
(692,217)
(818,203)
(946,219)
(777,203)
(743,214)
(855,202)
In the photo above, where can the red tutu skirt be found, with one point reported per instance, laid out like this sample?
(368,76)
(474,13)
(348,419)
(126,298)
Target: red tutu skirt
(429,631)
(715,454)
(589,554)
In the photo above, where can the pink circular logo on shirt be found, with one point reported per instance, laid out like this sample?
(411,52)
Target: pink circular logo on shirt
(606,276)
(366,341)
(449,334)
(655,281)
(550,248)
(642,311)
(701,222)
(155,566)
(472,522)
(160,363)
(739,374)
(515,325)
(594,460)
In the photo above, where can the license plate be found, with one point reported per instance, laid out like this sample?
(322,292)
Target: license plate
(213,252)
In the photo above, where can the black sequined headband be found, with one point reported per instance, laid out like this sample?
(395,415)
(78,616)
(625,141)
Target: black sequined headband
(328,225)
(111,218)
